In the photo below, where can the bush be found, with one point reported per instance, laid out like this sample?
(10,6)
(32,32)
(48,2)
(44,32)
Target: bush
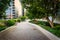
(23,18)
(2,26)
(15,20)
(45,25)
(57,26)
(10,22)
(18,20)
(41,22)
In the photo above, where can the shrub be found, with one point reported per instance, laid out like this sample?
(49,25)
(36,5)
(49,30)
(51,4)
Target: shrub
(23,18)
(18,20)
(15,20)
(2,26)
(41,22)
(10,22)
(57,28)
(45,25)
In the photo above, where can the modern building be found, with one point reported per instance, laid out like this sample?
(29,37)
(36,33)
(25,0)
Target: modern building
(18,7)
(14,10)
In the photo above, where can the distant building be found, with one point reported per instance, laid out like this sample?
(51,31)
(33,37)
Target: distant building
(14,10)
(18,8)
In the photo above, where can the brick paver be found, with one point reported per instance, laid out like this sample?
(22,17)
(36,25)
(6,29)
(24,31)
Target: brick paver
(23,31)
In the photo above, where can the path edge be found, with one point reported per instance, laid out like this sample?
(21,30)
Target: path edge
(45,32)
(2,32)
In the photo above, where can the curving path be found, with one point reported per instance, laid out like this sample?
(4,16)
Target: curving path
(23,31)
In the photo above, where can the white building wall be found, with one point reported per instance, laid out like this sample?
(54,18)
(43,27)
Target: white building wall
(18,7)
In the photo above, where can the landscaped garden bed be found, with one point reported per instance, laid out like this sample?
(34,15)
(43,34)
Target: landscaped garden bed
(6,23)
(45,25)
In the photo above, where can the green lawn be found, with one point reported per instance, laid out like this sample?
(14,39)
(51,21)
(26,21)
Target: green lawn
(45,25)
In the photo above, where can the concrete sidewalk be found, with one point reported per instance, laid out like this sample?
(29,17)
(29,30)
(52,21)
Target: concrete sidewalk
(23,31)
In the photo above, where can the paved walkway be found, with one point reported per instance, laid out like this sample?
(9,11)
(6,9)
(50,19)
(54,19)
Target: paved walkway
(23,31)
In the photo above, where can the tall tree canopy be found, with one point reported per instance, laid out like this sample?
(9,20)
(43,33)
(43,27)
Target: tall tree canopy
(42,8)
(3,6)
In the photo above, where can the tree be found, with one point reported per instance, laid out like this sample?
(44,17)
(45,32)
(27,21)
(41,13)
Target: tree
(42,8)
(3,6)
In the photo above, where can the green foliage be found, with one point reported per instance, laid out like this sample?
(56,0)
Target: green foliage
(2,25)
(10,22)
(57,26)
(45,25)
(18,20)
(23,18)
(41,8)
(15,20)
(2,21)
(6,23)
(3,6)
(29,15)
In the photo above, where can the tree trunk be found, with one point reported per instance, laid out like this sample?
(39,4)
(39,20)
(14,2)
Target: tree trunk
(50,22)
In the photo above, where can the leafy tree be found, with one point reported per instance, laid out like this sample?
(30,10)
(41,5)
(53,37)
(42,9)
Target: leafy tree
(3,6)
(42,8)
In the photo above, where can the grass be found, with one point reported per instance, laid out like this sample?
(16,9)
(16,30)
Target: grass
(45,25)
(5,24)
(2,28)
